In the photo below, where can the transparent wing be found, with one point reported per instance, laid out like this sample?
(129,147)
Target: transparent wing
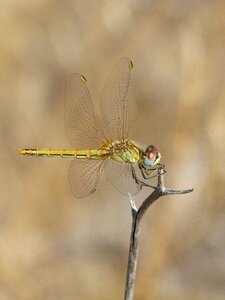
(114,100)
(81,123)
(84,176)
(121,178)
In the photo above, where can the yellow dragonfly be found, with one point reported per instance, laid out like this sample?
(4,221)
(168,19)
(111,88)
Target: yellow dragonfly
(102,144)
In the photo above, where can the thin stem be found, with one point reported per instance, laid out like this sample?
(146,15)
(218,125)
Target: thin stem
(137,215)
(132,261)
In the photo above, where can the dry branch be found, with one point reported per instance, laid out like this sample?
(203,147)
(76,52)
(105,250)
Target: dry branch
(137,215)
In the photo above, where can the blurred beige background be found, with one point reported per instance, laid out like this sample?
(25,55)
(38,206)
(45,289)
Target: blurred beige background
(53,246)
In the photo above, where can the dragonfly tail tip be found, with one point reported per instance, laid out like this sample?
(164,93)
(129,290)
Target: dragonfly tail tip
(21,151)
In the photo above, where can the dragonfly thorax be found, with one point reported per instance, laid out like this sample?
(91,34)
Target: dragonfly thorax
(124,151)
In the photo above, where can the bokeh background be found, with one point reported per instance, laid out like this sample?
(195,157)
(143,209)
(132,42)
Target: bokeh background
(53,246)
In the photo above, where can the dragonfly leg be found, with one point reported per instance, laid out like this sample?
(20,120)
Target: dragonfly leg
(139,182)
(142,183)
(162,167)
(136,179)
(150,173)
(147,173)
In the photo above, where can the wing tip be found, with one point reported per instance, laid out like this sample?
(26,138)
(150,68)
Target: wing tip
(83,78)
(131,65)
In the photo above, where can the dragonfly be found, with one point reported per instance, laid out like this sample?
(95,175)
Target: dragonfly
(102,144)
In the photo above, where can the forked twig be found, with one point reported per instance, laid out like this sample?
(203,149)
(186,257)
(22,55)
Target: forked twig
(137,215)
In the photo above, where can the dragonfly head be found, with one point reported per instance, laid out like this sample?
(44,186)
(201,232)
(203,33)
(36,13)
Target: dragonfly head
(151,156)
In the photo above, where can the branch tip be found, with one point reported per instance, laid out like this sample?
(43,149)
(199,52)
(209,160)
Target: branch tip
(133,206)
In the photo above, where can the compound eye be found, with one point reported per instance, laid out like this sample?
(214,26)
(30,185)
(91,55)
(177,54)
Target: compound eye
(149,149)
(152,156)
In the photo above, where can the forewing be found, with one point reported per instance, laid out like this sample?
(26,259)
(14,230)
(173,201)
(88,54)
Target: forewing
(121,178)
(84,175)
(114,100)
(81,123)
